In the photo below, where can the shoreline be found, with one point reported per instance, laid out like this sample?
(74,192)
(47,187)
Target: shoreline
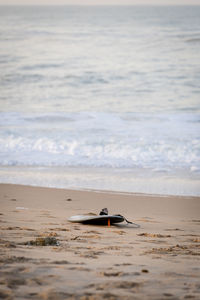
(102,191)
(44,256)
(106,180)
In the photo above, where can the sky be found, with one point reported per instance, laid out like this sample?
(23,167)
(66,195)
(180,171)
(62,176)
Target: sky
(99,2)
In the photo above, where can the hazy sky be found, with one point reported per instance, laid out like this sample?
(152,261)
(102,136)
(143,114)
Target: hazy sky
(116,2)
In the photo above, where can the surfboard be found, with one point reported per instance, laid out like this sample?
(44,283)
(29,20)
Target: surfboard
(97,220)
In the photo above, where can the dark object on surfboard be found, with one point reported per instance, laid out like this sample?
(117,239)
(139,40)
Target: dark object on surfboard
(104,211)
(102,219)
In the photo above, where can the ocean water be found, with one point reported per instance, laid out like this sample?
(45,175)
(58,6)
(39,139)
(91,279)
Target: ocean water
(104,98)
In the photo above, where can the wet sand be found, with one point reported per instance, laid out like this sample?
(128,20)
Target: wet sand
(43,256)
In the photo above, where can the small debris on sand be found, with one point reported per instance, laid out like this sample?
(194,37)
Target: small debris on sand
(43,241)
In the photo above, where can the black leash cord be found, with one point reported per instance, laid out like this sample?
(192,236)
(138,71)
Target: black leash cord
(136,225)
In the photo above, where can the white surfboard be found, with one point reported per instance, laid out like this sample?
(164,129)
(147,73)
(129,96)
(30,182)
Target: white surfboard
(97,220)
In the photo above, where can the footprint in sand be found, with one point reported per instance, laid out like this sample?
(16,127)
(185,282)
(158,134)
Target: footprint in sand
(17,228)
(195,240)
(52,294)
(91,254)
(120,232)
(112,273)
(177,250)
(59,229)
(194,221)
(61,262)
(154,235)
(116,284)
(92,231)
(124,264)
(13,282)
(147,220)
(7,244)
(16,259)
(79,269)
(44,280)
(50,224)
(85,237)
(174,229)
(5,294)
(76,228)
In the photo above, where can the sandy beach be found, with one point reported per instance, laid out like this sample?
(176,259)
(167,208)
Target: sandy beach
(44,256)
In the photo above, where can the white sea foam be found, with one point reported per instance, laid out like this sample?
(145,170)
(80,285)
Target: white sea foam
(101,140)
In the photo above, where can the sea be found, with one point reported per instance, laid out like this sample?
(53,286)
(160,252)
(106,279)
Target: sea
(101,98)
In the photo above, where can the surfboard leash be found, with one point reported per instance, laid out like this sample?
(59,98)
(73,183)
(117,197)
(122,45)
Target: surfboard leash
(128,222)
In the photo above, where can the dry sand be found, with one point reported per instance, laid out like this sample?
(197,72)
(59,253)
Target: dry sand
(159,260)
